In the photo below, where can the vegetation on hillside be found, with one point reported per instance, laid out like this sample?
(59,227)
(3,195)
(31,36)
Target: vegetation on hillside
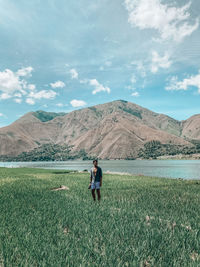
(47,116)
(131,111)
(154,149)
(97,112)
(55,152)
(141,221)
(49,152)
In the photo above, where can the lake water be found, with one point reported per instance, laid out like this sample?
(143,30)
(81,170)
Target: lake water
(186,169)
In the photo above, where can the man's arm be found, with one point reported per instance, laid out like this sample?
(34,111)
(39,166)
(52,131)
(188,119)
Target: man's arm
(101,177)
(101,181)
(90,176)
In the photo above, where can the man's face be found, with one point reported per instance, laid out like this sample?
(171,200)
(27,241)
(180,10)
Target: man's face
(95,163)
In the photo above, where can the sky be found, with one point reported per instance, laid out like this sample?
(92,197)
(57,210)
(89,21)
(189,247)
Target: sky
(59,56)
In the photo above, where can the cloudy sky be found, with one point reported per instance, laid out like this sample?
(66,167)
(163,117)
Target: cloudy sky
(59,55)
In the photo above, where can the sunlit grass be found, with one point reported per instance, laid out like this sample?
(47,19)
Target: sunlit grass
(141,221)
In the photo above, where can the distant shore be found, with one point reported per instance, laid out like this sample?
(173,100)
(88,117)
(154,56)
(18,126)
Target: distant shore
(164,157)
(180,157)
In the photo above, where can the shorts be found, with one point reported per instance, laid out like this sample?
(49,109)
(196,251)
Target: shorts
(95,185)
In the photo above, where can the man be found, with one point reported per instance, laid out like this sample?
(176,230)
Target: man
(95,180)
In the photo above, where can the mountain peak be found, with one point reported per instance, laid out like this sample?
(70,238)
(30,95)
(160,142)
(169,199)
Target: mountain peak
(120,100)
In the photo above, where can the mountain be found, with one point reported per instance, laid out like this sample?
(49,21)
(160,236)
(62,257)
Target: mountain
(191,128)
(114,130)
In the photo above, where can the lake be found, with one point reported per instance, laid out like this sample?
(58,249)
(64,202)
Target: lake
(186,169)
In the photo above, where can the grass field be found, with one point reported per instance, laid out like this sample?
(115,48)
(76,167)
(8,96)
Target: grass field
(141,221)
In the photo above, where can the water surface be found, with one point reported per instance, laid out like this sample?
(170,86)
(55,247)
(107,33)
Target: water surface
(186,169)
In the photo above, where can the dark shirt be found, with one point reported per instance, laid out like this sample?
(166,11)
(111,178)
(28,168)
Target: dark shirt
(97,177)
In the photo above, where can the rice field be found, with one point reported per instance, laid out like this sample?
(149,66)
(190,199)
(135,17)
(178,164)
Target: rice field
(140,221)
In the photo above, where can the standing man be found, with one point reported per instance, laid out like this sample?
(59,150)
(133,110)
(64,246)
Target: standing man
(95,180)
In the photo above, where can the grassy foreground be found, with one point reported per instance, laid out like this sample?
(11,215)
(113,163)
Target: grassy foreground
(141,221)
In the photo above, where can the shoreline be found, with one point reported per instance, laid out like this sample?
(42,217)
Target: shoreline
(167,157)
(170,169)
(60,171)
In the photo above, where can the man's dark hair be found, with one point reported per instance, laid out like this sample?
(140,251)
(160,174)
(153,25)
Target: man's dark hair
(95,160)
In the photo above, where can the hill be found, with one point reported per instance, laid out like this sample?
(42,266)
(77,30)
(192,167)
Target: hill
(114,130)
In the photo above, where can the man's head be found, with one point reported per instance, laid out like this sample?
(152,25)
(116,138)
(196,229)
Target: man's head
(95,162)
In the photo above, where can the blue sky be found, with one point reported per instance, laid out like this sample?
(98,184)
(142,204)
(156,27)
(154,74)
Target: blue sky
(59,55)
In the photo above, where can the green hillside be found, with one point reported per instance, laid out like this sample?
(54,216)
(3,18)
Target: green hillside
(47,116)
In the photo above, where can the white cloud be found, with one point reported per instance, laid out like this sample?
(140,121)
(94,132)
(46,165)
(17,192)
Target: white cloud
(47,94)
(31,87)
(84,81)
(108,63)
(58,84)
(9,81)
(74,74)
(160,62)
(30,101)
(140,68)
(185,84)
(12,85)
(130,87)
(18,95)
(169,21)
(133,79)
(1,115)
(24,71)
(59,104)
(18,100)
(4,96)
(98,87)
(78,103)
(135,94)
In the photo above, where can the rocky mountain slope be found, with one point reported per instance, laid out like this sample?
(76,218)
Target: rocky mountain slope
(113,130)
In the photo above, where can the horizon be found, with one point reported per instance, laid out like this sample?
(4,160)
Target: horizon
(60,57)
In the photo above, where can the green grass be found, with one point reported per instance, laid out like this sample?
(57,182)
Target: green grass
(141,221)
(47,116)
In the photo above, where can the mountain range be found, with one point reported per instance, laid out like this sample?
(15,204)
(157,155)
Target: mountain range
(114,130)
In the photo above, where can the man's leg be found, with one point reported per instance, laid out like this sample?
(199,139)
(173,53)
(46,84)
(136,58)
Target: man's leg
(93,194)
(98,194)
